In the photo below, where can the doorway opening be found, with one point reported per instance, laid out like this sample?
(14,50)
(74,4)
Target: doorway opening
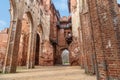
(65,57)
(37,49)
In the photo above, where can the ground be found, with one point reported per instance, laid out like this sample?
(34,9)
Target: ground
(49,73)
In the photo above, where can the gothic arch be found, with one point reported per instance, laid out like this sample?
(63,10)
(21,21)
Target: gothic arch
(25,39)
(41,31)
(18,9)
(30,54)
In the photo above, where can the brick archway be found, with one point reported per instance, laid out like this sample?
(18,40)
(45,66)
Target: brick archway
(25,40)
(65,56)
(30,25)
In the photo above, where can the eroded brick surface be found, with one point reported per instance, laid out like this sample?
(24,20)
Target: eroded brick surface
(3,46)
(46,57)
(98,36)
(38,36)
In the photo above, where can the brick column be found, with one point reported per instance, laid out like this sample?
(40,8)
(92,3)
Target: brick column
(88,47)
(31,48)
(10,64)
(81,48)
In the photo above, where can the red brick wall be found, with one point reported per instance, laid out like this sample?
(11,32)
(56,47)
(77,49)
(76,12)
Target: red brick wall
(3,46)
(61,37)
(105,24)
(99,38)
(53,23)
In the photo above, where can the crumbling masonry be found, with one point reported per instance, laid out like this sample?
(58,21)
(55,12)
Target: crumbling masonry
(38,36)
(95,27)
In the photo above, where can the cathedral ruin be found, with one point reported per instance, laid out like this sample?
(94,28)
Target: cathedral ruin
(39,36)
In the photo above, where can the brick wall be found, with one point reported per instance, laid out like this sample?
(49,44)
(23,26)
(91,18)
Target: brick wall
(3,46)
(98,37)
(105,24)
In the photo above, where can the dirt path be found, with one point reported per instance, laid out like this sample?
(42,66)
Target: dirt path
(49,73)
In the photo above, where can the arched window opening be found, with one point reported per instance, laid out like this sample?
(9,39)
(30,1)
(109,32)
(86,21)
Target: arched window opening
(65,57)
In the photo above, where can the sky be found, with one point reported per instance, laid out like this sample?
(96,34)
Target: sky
(60,5)
(4,14)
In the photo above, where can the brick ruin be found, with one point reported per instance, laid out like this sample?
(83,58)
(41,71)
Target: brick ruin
(38,35)
(96,31)
(3,45)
